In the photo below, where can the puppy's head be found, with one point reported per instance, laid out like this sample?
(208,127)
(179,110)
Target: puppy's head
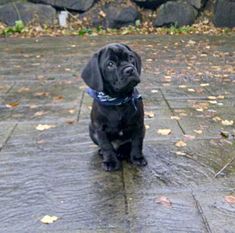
(115,70)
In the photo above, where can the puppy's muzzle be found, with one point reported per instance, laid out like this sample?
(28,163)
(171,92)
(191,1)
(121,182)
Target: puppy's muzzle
(131,73)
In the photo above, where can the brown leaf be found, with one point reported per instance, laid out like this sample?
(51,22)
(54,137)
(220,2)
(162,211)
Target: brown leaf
(230,199)
(12,104)
(165,201)
(58,98)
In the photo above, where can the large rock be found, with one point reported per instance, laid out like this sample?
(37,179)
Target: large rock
(111,15)
(117,18)
(149,4)
(224,15)
(198,4)
(175,13)
(27,12)
(76,5)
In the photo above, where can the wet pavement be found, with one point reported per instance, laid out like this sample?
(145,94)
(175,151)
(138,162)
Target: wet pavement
(49,166)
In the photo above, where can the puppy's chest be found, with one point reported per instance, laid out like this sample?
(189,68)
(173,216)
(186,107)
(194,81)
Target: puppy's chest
(119,122)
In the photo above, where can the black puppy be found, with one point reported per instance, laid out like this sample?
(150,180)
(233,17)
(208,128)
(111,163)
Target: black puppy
(117,116)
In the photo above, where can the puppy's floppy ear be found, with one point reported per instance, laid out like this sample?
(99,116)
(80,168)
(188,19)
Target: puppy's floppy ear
(91,74)
(137,58)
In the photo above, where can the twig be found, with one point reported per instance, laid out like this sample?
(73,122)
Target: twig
(224,167)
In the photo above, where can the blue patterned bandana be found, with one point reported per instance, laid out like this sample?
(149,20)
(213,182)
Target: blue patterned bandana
(107,100)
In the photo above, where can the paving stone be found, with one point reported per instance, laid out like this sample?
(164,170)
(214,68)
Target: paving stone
(214,154)
(148,215)
(42,178)
(165,169)
(219,214)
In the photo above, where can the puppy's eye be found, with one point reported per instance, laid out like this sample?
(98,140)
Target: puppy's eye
(110,64)
(131,58)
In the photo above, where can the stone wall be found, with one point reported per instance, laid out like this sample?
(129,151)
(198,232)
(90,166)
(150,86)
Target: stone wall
(116,14)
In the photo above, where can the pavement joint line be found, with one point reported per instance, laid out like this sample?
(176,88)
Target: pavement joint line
(12,86)
(125,200)
(80,105)
(200,211)
(8,137)
(172,111)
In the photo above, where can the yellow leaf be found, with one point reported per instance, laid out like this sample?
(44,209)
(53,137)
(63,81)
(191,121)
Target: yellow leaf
(198,131)
(164,131)
(12,104)
(200,109)
(182,86)
(227,122)
(191,90)
(212,102)
(175,118)
(47,219)
(181,144)
(204,84)
(147,126)
(212,97)
(149,114)
(44,127)
(180,153)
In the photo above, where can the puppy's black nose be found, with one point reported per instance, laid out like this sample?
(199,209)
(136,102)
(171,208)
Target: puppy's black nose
(128,71)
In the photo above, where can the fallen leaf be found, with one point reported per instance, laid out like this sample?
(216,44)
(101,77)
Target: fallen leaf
(182,86)
(212,102)
(212,97)
(180,153)
(230,199)
(147,126)
(180,144)
(47,219)
(198,131)
(44,127)
(227,122)
(12,104)
(40,113)
(149,114)
(41,94)
(165,201)
(154,91)
(58,98)
(199,109)
(204,84)
(191,90)
(23,89)
(221,97)
(175,118)
(71,111)
(188,137)
(164,131)
(216,119)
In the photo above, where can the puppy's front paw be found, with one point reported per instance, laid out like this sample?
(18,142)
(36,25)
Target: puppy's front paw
(112,165)
(139,161)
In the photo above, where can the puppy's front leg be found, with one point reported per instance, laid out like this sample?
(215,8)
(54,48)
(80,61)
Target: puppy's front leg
(136,155)
(110,161)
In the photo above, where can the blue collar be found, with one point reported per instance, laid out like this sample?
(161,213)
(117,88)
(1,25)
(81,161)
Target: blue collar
(107,100)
